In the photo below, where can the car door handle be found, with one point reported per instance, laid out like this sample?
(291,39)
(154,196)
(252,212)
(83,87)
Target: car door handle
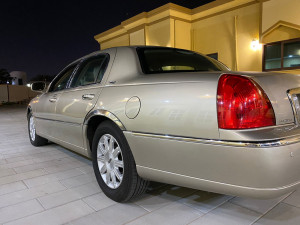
(52,99)
(88,96)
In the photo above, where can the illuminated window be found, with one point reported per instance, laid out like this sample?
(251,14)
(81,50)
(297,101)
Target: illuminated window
(282,55)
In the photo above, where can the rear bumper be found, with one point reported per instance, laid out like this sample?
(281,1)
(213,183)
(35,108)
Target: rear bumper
(252,169)
(213,186)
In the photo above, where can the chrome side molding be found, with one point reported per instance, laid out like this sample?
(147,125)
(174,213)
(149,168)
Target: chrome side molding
(105,113)
(266,144)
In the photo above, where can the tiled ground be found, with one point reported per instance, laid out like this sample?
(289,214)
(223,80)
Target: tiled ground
(51,185)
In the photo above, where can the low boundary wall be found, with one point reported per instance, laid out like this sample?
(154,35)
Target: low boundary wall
(15,93)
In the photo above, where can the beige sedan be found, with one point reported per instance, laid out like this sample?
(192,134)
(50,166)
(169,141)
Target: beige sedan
(170,115)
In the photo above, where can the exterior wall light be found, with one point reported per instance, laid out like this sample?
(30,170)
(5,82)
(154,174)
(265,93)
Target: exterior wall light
(255,45)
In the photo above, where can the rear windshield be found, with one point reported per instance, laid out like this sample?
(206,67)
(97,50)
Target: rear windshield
(168,60)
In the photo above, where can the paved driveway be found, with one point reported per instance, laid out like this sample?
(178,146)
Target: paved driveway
(51,185)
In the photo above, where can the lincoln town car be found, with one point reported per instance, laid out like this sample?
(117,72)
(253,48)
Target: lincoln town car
(146,113)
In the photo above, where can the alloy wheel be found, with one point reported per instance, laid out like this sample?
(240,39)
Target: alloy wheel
(32,128)
(110,161)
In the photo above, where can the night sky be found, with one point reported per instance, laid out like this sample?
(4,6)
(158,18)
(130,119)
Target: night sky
(41,37)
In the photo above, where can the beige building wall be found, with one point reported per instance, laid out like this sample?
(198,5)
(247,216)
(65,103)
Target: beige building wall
(280,33)
(137,37)
(230,35)
(182,34)
(280,10)
(226,27)
(211,36)
(280,20)
(122,40)
(159,34)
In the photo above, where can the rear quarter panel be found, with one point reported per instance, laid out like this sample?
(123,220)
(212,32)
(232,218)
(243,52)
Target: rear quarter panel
(179,109)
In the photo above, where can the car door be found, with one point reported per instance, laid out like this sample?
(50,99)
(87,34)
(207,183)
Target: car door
(76,101)
(45,112)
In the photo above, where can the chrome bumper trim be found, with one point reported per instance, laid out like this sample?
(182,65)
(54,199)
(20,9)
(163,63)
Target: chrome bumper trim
(293,97)
(263,144)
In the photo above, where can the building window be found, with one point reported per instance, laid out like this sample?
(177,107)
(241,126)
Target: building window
(284,55)
(213,55)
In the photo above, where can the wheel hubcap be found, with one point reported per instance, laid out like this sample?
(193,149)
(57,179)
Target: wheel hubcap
(32,128)
(110,161)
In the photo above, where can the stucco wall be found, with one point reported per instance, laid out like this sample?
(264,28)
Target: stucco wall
(276,10)
(137,37)
(182,34)
(217,34)
(117,41)
(158,34)
(226,27)
(281,33)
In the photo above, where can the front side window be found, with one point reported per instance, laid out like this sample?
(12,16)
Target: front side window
(282,55)
(63,79)
(166,60)
(90,72)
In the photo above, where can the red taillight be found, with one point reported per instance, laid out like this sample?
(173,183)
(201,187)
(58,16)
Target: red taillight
(242,104)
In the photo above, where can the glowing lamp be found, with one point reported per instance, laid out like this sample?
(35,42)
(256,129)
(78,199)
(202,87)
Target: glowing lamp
(255,45)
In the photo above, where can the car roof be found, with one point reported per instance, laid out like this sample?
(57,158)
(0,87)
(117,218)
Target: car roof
(118,47)
(132,47)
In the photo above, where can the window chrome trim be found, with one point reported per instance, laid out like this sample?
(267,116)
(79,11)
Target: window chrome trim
(262,144)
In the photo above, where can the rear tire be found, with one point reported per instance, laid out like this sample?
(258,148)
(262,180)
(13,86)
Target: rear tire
(114,165)
(35,139)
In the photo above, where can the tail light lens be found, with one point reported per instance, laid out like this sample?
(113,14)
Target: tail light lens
(242,104)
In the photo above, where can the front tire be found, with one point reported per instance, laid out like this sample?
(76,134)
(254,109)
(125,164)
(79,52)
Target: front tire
(35,139)
(114,165)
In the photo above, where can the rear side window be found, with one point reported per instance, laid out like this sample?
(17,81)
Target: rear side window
(91,71)
(168,60)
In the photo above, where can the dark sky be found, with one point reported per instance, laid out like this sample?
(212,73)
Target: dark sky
(41,37)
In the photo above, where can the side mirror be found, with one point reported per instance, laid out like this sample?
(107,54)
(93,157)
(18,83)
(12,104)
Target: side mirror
(38,86)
